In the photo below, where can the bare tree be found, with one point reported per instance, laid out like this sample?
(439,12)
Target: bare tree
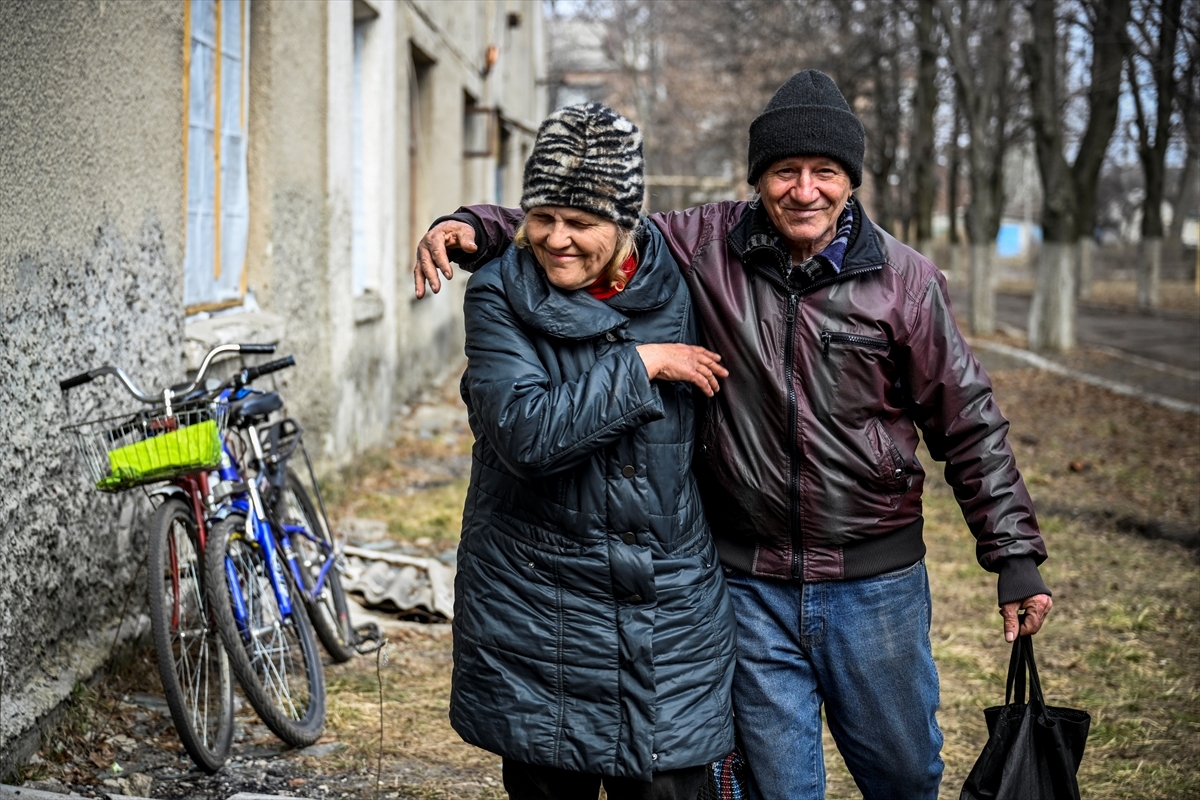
(924,107)
(1187,97)
(1155,32)
(1068,207)
(695,74)
(978,33)
(880,29)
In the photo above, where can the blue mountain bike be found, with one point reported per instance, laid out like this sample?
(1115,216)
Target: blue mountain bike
(273,570)
(170,443)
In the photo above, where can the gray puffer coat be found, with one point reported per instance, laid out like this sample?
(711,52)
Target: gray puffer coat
(592,629)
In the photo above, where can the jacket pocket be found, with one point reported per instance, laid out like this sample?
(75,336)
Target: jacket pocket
(710,426)
(832,338)
(536,534)
(890,464)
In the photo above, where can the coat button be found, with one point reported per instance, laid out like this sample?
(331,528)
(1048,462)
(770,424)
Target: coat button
(635,598)
(610,336)
(628,538)
(654,756)
(628,471)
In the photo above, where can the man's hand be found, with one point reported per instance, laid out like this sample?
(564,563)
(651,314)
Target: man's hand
(431,253)
(683,362)
(1036,608)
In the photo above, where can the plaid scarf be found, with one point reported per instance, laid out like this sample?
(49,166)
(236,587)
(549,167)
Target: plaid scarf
(766,246)
(835,252)
(727,779)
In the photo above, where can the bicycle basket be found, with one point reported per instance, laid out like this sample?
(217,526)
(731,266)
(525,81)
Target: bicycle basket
(118,453)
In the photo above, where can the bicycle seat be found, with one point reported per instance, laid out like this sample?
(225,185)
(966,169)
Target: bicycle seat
(254,408)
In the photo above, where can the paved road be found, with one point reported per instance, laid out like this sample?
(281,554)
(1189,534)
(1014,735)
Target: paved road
(1158,353)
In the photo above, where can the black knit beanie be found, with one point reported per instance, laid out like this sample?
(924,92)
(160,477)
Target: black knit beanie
(808,116)
(587,157)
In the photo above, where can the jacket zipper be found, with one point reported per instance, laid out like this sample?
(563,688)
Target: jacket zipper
(793,415)
(851,338)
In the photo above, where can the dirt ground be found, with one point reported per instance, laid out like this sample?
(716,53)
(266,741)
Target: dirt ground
(1117,483)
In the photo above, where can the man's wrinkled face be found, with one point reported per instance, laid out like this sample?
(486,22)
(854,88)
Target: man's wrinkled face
(803,196)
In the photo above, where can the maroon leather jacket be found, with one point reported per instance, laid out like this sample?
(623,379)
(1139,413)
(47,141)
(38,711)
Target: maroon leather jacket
(807,458)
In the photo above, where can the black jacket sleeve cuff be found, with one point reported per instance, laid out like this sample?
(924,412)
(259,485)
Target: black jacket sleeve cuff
(1019,579)
(467,261)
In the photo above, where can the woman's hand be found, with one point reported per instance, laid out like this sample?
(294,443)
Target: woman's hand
(683,362)
(431,253)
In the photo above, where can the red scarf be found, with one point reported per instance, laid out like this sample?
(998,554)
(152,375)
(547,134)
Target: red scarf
(602,290)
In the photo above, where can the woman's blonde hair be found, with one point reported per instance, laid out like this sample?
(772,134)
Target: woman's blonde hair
(613,275)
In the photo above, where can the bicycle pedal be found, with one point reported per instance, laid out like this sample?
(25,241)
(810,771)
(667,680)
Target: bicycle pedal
(368,638)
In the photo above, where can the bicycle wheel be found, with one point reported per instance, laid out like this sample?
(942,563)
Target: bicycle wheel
(328,611)
(275,658)
(192,662)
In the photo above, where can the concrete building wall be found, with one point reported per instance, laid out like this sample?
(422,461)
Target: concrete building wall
(92,245)
(91,236)
(290,226)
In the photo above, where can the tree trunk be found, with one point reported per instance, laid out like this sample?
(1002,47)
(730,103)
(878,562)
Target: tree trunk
(1150,274)
(980,54)
(1068,207)
(1087,264)
(924,106)
(1052,313)
(983,222)
(981,311)
(1161,57)
(957,258)
(952,237)
(1173,246)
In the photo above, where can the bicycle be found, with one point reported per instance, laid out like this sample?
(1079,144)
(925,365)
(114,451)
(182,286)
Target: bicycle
(273,523)
(175,439)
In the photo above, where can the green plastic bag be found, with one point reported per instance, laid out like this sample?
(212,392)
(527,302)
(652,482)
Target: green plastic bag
(173,453)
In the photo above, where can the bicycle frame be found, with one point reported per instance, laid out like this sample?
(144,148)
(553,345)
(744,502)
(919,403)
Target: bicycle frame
(259,525)
(249,503)
(195,487)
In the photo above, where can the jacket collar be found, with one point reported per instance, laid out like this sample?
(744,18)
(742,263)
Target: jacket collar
(756,243)
(577,315)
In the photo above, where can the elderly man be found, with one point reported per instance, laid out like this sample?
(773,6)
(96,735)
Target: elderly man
(840,346)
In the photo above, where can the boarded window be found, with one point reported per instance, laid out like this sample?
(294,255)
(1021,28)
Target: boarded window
(215,99)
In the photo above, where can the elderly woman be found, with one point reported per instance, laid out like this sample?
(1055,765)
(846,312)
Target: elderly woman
(593,638)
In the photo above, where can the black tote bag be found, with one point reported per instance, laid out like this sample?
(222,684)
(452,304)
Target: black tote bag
(1033,750)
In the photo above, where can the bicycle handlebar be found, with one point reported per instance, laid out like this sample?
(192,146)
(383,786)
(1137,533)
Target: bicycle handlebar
(79,380)
(92,374)
(251,373)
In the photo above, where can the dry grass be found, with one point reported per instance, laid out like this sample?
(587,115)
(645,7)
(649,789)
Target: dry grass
(1173,295)
(1123,641)
(421,752)
(1089,451)
(416,486)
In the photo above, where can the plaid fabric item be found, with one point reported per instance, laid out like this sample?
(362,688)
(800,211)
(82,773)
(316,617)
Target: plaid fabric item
(835,252)
(726,779)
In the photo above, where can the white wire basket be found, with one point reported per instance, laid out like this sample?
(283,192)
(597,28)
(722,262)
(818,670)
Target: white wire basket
(120,452)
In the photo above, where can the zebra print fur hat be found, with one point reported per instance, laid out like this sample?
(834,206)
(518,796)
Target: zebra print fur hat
(587,157)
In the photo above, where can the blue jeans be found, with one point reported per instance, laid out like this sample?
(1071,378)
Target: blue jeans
(861,648)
